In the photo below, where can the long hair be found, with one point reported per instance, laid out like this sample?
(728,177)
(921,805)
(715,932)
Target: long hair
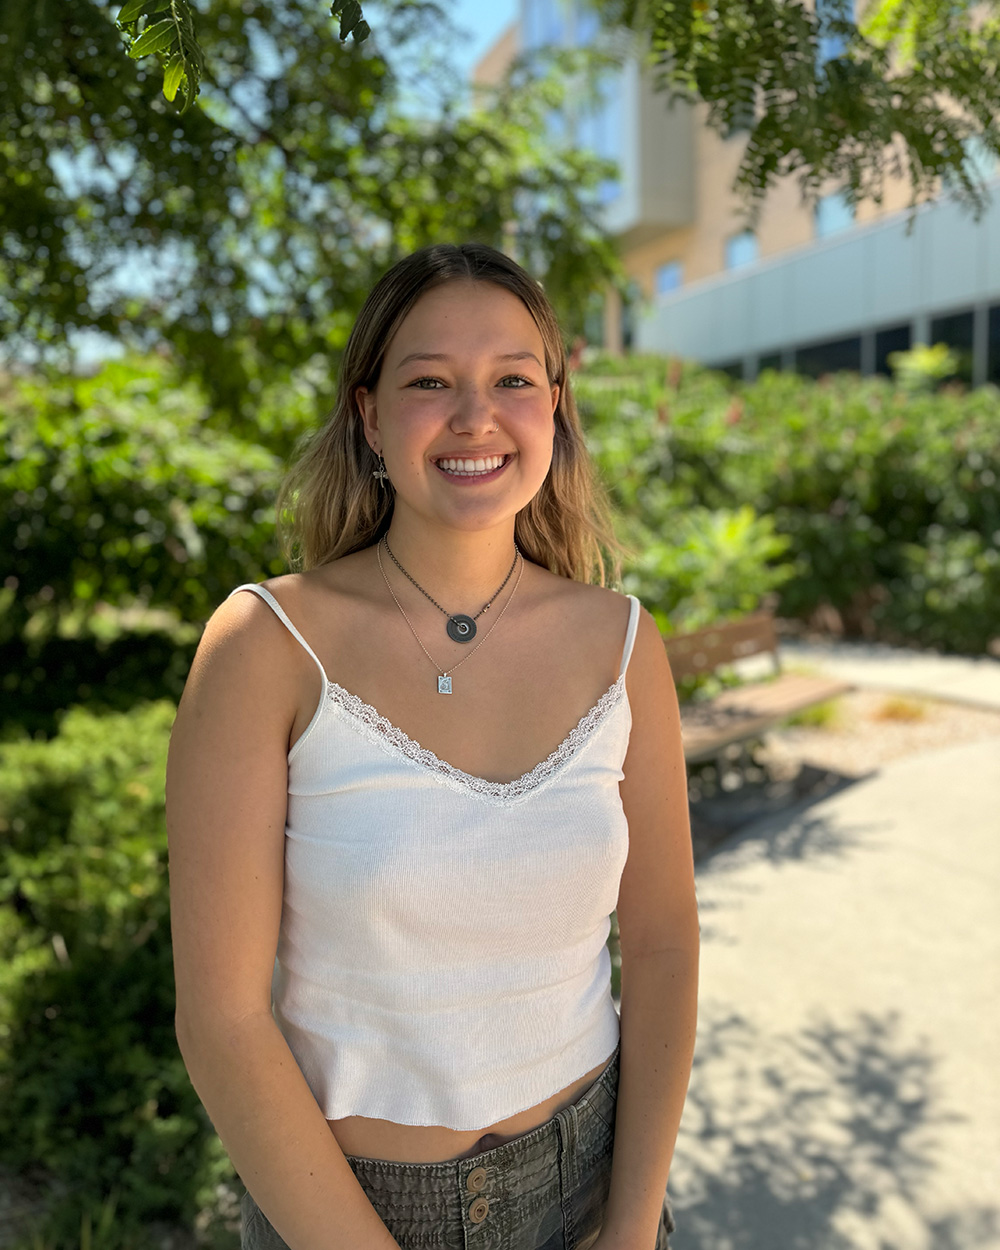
(330,505)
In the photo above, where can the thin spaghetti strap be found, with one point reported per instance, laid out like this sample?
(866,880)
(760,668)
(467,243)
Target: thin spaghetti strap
(266,595)
(633,622)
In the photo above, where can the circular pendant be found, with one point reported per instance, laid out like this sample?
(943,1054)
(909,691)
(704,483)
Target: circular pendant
(461,628)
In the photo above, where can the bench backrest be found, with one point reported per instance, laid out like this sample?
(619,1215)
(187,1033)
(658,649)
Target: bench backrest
(707,649)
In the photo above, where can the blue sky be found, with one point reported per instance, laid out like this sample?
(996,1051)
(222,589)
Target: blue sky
(484,20)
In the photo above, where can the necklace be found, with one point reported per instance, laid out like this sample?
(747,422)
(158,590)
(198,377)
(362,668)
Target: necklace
(444,675)
(461,628)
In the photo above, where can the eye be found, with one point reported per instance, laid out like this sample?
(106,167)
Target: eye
(511,377)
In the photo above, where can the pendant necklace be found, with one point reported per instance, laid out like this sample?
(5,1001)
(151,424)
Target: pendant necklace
(461,628)
(444,675)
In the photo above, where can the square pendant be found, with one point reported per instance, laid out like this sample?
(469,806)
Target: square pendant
(444,685)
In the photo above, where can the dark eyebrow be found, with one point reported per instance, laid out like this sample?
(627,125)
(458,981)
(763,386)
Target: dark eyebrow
(443,356)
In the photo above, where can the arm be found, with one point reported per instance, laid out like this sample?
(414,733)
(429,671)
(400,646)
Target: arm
(227,783)
(658,926)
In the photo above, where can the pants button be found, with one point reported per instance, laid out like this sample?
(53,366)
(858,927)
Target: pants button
(476,1180)
(479,1210)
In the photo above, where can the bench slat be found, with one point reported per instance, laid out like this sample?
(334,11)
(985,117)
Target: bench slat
(707,649)
(748,712)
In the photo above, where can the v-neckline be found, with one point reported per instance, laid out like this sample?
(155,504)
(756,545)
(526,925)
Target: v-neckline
(378,728)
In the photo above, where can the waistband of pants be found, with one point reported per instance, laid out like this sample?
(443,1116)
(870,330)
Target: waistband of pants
(562,1143)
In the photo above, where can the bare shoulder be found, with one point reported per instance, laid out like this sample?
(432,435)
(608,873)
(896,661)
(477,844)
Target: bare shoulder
(595,607)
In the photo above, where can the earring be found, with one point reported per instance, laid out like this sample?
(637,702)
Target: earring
(380,472)
(496,427)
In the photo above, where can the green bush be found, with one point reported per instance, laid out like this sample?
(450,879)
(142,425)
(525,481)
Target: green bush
(92,1086)
(119,494)
(880,503)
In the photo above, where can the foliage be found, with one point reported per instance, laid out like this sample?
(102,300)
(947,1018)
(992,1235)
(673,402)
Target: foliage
(92,1086)
(904,90)
(117,491)
(923,367)
(888,499)
(255,224)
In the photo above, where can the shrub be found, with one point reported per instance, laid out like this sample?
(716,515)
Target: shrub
(92,1086)
(117,491)
(886,502)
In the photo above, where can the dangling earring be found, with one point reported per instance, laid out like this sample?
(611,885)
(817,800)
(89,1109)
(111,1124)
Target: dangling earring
(380,472)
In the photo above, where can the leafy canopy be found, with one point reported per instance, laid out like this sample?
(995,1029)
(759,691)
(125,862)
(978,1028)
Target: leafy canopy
(907,89)
(255,223)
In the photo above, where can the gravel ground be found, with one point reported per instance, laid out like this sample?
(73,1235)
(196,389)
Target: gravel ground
(873,727)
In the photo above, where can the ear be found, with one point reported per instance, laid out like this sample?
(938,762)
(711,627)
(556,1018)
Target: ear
(555,397)
(365,400)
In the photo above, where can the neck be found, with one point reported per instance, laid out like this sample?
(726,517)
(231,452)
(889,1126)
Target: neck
(460,569)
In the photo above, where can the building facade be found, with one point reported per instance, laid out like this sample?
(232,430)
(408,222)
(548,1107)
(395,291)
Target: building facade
(814,288)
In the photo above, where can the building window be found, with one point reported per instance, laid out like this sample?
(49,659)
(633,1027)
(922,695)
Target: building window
(669,277)
(832,214)
(771,361)
(542,23)
(829,357)
(600,130)
(742,118)
(741,249)
(979,160)
(993,349)
(831,43)
(895,339)
(956,331)
(587,26)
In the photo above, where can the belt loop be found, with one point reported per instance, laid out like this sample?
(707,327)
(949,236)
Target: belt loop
(568,1123)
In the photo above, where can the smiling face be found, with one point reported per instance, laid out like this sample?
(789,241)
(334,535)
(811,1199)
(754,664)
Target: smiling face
(466,436)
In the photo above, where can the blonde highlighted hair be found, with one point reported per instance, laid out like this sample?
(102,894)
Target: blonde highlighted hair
(330,505)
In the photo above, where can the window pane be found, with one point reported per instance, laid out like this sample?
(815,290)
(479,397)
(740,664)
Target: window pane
(830,45)
(741,249)
(669,277)
(832,214)
(896,339)
(993,359)
(820,358)
(956,331)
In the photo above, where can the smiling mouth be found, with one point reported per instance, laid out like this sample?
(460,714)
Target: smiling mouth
(483,466)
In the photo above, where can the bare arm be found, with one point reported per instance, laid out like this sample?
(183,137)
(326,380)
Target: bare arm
(227,784)
(658,926)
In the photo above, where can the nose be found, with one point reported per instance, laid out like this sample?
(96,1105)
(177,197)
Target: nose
(475,411)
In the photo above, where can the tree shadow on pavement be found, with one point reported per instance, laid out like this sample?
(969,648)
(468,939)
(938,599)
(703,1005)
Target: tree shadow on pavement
(824,1140)
(773,815)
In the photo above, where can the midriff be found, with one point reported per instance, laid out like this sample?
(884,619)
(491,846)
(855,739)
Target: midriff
(368,1138)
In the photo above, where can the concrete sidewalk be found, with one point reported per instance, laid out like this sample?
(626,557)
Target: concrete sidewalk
(961,679)
(846,1087)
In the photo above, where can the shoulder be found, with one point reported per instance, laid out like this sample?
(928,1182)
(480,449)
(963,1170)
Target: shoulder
(652,694)
(246,635)
(590,605)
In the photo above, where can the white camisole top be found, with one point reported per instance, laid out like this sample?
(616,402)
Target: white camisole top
(442,956)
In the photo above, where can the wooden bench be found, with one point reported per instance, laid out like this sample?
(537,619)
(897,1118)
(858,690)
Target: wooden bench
(746,711)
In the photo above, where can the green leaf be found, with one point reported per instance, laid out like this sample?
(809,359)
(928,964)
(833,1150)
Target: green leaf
(130,11)
(172,77)
(156,38)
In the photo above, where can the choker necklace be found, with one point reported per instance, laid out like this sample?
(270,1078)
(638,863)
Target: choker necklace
(461,628)
(444,675)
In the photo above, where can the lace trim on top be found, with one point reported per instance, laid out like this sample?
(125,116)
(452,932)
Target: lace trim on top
(385,732)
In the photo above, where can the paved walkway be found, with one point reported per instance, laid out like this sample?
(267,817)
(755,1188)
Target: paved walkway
(879,667)
(846,1088)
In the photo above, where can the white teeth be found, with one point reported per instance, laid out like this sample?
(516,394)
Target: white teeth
(471,467)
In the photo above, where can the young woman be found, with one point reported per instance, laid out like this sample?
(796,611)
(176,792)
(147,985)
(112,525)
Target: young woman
(406,788)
